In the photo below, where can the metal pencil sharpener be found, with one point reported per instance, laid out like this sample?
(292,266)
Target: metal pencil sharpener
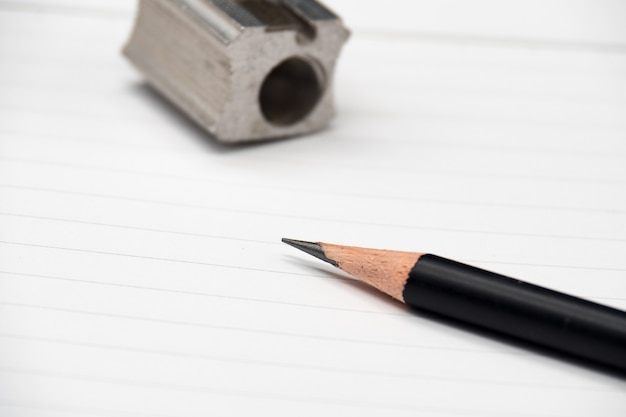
(244,70)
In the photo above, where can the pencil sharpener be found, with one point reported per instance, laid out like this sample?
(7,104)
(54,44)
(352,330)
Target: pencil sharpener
(244,70)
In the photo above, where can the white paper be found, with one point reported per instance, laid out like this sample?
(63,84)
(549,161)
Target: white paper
(141,269)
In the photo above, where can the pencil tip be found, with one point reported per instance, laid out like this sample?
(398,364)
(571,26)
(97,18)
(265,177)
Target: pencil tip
(311,248)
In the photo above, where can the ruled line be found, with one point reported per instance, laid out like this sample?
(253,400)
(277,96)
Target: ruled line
(79,410)
(334,339)
(363,112)
(152,258)
(300,366)
(55,9)
(97,40)
(45,137)
(240,239)
(204,294)
(496,41)
(298,161)
(317,162)
(408,113)
(125,117)
(260,395)
(307,217)
(577,267)
(66,140)
(146,229)
(87,63)
(228,297)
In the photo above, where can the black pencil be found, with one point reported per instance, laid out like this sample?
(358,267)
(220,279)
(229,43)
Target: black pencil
(492,301)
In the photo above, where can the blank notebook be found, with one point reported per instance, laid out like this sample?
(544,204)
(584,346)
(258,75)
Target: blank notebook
(141,269)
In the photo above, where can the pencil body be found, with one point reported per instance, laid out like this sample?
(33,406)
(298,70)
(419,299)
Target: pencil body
(486,299)
(518,309)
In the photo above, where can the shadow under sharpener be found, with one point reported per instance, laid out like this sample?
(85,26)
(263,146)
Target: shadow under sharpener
(244,70)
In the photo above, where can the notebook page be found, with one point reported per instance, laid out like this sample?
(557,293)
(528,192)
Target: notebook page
(141,269)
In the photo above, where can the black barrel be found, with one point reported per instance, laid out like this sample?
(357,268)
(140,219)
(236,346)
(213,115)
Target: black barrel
(518,309)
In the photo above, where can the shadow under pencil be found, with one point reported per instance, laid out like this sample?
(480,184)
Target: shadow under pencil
(518,343)
(473,329)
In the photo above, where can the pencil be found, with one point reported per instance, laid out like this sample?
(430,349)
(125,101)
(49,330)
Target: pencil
(492,301)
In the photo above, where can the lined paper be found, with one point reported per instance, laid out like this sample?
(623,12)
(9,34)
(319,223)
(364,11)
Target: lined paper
(141,269)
